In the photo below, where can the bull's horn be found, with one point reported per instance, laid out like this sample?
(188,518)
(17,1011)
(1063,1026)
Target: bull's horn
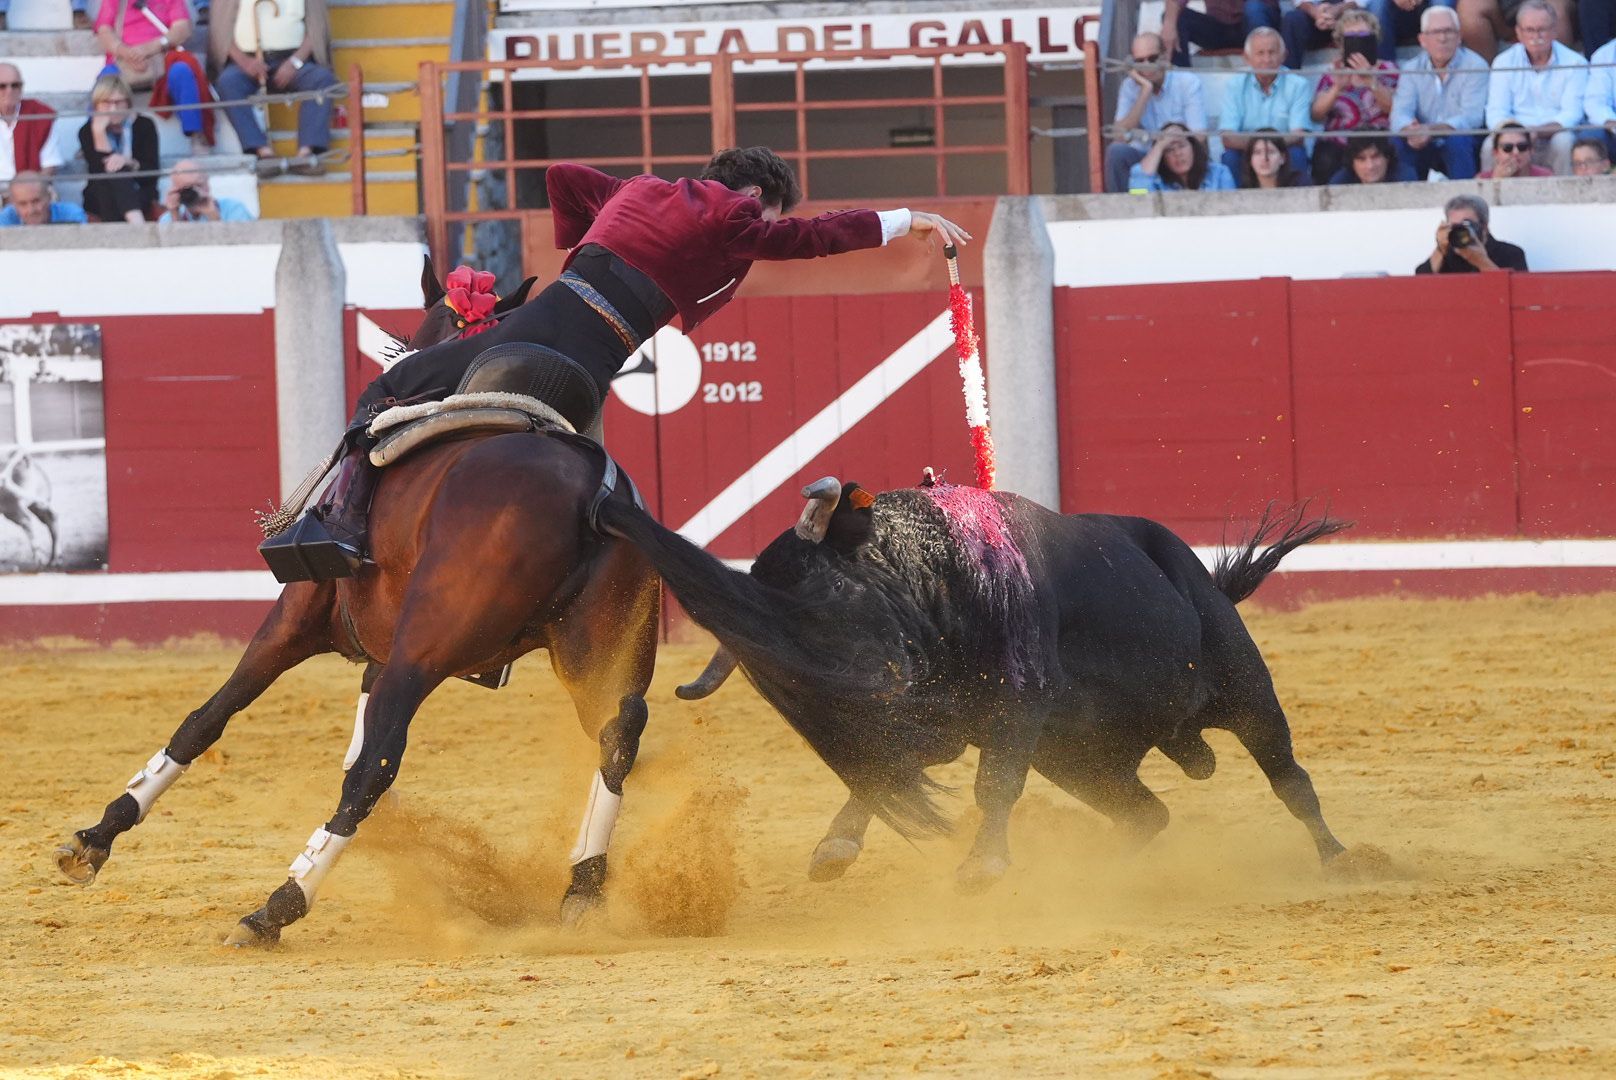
(822,496)
(718,669)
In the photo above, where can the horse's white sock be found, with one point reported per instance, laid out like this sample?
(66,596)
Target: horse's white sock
(357,743)
(149,783)
(310,868)
(600,816)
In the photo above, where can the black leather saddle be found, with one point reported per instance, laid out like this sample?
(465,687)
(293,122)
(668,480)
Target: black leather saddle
(521,367)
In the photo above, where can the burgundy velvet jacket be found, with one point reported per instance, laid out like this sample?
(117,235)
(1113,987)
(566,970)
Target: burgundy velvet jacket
(34,119)
(696,239)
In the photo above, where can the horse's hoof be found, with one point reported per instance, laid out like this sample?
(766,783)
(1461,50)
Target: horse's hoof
(832,857)
(80,862)
(979,873)
(580,910)
(253,933)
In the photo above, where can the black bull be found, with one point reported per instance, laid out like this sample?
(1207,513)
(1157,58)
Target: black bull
(893,633)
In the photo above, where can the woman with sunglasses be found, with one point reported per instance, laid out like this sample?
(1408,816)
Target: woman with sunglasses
(115,141)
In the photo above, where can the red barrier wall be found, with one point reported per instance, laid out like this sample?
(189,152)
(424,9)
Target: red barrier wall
(1475,405)
(191,438)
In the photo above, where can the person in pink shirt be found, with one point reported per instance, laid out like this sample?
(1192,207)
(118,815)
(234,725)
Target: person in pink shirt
(137,41)
(1512,155)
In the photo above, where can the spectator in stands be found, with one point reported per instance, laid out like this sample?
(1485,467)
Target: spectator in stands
(1465,245)
(293,42)
(1265,163)
(1539,83)
(1487,23)
(1178,161)
(1439,92)
(141,46)
(1511,147)
(25,128)
(1355,94)
(1400,20)
(1309,25)
(81,18)
(31,202)
(190,199)
(1599,96)
(1265,98)
(1590,157)
(1150,96)
(116,141)
(1598,19)
(1226,24)
(1373,160)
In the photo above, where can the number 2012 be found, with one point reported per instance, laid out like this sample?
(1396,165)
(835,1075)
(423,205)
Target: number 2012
(727,393)
(736,352)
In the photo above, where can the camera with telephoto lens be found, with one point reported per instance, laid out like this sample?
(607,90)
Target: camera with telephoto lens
(1463,234)
(190,198)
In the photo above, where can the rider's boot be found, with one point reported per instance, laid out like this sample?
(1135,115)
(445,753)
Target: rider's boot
(345,511)
(330,540)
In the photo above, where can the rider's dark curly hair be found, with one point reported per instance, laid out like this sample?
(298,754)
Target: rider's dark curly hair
(736,169)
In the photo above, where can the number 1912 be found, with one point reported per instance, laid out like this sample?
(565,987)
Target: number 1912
(729,352)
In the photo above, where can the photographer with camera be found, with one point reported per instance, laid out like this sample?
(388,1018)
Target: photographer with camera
(1465,246)
(189,198)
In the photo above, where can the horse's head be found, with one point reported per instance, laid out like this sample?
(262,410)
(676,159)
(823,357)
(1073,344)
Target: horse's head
(462,305)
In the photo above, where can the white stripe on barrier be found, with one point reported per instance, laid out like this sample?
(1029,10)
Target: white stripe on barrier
(822,429)
(52,590)
(1407,556)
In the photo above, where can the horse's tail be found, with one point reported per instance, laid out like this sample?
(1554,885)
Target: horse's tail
(1240,570)
(806,663)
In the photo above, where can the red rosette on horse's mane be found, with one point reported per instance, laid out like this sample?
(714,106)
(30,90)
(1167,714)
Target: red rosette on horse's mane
(471,296)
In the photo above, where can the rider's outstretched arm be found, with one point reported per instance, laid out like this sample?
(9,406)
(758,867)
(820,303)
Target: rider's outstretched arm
(751,235)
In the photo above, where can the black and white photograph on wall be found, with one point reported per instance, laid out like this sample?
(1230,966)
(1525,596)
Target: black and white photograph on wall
(53,449)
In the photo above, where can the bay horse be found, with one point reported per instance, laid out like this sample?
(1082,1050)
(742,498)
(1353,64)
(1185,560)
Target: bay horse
(482,552)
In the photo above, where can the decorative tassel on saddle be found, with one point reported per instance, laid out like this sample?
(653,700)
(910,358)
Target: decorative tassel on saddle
(278,520)
(970,368)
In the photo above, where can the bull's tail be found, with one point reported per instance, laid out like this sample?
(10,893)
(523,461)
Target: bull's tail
(1240,570)
(840,703)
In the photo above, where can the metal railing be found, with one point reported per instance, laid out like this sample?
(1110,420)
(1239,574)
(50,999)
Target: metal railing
(438,169)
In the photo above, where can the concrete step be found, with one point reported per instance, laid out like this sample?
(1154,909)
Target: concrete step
(400,156)
(332,196)
(384,62)
(390,20)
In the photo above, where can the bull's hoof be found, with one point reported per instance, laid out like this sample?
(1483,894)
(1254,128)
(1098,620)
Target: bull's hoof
(979,873)
(79,862)
(254,932)
(832,857)
(580,910)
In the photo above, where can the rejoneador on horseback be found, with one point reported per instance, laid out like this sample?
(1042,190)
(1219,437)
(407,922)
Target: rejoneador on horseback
(484,546)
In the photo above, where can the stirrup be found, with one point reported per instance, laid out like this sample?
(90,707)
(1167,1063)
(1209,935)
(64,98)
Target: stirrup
(308,552)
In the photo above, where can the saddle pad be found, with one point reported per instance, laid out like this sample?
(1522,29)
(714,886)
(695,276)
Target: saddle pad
(412,436)
(403,414)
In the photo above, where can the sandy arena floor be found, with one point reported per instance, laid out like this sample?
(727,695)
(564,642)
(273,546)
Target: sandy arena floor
(1473,743)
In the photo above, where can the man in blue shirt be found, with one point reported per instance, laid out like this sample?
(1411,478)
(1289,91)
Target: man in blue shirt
(1599,98)
(1265,97)
(1442,90)
(1150,96)
(189,199)
(31,203)
(1539,83)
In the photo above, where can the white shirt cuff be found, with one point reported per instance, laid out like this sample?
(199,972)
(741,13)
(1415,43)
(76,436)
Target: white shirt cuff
(894,223)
